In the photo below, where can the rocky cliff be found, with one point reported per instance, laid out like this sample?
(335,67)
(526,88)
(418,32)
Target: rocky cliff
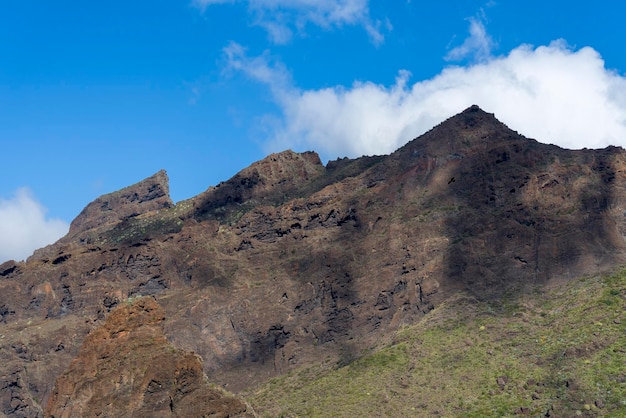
(126,368)
(291,261)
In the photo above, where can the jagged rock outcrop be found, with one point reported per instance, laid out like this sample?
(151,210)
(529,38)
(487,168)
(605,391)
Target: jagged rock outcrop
(148,195)
(271,181)
(126,368)
(289,261)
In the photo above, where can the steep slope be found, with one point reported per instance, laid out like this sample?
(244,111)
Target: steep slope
(290,262)
(546,354)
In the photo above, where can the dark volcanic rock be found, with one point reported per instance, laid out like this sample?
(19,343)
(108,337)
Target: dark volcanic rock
(8,268)
(290,262)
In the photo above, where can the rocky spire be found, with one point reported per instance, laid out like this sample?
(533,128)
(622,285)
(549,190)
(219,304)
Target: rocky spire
(147,195)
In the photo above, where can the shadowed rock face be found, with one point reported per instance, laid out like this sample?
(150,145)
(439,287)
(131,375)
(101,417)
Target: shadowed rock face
(290,262)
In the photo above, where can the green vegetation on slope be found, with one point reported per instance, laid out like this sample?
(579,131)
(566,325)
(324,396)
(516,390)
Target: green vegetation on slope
(560,352)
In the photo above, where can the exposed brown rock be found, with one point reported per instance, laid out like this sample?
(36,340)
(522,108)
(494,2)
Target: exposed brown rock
(271,181)
(290,261)
(126,368)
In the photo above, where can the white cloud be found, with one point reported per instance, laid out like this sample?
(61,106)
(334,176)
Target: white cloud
(24,227)
(263,69)
(552,93)
(281,17)
(478,45)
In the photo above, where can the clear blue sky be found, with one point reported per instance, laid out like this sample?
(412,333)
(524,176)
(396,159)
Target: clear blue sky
(95,96)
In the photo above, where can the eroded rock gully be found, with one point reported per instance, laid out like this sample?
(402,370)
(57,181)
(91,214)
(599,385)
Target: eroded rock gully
(290,262)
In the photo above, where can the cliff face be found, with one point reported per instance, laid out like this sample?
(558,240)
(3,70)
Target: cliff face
(290,262)
(126,368)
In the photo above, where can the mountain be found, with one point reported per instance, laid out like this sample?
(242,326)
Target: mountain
(291,263)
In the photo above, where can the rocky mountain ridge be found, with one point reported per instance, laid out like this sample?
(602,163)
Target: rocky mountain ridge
(291,261)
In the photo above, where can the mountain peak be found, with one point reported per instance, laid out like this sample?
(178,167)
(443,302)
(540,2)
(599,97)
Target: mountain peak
(475,109)
(469,133)
(150,194)
(473,117)
(268,181)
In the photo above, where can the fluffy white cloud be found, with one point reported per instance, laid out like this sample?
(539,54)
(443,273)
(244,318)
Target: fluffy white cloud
(281,17)
(24,227)
(552,93)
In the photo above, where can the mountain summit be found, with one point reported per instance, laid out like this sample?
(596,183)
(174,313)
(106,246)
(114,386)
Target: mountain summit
(290,262)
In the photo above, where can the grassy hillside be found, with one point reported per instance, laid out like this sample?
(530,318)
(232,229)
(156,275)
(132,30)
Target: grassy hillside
(559,352)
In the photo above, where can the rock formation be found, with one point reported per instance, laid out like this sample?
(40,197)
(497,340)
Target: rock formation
(126,368)
(148,195)
(291,261)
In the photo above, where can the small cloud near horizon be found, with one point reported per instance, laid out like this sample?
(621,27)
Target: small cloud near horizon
(24,226)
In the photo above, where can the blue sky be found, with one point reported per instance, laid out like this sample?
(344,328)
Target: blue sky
(95,96)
